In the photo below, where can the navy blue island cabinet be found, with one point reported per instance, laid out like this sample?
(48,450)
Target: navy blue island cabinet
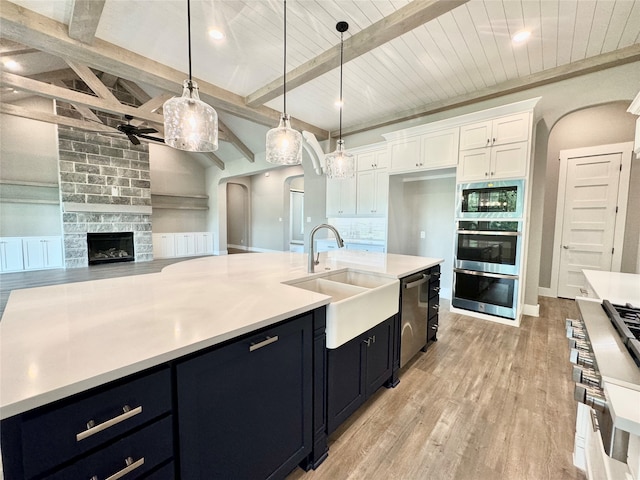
(251,408)
(357,369)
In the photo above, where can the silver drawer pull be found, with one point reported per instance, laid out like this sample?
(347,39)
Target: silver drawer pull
(92,428)
(131,466)
(264,343)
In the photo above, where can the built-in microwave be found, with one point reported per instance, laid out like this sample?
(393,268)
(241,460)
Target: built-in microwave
(497,199)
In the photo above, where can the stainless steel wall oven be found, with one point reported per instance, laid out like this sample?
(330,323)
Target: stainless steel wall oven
(485,292)
(488,247)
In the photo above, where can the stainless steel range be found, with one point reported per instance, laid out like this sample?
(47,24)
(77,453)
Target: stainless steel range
(604,350)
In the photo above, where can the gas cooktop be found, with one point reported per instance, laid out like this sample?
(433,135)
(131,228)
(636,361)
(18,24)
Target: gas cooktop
(626,320)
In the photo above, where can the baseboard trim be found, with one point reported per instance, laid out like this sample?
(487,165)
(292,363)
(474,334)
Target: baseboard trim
(546,292)
(531,310)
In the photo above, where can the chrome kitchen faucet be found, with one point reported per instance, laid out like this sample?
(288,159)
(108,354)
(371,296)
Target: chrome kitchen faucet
(312,262)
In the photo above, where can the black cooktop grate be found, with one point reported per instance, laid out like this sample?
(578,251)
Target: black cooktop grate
(626,320)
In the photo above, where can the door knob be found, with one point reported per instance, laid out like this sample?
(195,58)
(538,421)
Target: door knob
(566,247)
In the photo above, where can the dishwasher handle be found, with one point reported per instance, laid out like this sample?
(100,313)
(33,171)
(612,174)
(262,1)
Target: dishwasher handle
(423,279)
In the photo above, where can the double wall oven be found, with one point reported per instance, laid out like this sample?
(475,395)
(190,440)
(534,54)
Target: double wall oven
(488,249)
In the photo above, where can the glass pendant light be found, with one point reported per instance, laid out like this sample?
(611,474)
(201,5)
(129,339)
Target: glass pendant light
(284,144)
(341,164)
(189,123)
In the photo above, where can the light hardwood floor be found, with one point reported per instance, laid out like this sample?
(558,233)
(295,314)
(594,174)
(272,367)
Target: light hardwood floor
(486,402)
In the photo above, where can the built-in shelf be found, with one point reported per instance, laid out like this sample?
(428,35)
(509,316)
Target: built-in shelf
(206,197)
(178,207)
(26,192)
(29,184)
(30,200)
(174,201)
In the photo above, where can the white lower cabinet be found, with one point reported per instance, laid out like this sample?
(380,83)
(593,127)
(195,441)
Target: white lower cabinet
(164,245)
(11,254)
(42,252)
(186,244)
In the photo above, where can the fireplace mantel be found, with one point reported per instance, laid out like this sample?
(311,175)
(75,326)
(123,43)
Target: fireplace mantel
(105,208)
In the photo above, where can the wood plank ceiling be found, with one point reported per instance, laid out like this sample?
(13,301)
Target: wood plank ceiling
(403,59)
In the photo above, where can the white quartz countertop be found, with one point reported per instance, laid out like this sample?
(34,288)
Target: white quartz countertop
(618,288)
(60,340)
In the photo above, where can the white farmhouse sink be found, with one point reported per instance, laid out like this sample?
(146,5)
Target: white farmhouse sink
(359,301)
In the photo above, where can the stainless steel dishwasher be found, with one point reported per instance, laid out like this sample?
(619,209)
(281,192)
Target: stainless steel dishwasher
(414,291)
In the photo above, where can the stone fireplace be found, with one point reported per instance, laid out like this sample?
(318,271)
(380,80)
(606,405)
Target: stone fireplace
(105,188)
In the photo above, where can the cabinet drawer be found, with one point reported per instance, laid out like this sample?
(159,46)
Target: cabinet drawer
(139,452)
(50,435)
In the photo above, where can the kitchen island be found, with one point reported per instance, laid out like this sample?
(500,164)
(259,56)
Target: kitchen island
(63,340)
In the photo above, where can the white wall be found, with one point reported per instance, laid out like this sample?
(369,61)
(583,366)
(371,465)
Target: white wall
(29,153)
(177,173)
(424,206)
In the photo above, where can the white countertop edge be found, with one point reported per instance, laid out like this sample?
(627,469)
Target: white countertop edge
(40,400)
(624,405)
(24,397)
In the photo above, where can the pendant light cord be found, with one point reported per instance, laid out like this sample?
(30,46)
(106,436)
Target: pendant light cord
(189,37)
(341,101)
(284,75)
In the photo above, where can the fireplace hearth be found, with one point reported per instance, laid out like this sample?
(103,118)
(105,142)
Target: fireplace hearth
(110,247)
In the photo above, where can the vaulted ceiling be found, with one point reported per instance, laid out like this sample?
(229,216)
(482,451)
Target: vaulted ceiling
(403,58)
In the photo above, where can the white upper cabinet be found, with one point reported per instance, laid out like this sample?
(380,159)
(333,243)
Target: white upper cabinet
(373,192)
(495,149)
(405,154)
(372,160)
(438,149)
(341,197)
(500,131)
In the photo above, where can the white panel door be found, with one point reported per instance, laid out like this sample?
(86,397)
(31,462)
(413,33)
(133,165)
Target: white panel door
(589,219)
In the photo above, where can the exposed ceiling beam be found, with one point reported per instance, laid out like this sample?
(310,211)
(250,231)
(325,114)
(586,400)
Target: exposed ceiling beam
(70,96)
(37,31)
(85,18)
(213,158)
(15,53)
(9,47)
(403,20)
(588,65)
(155,103)
(47,117)
(92,81)
(236,142)
(53,75)
(134,89)
(86,112)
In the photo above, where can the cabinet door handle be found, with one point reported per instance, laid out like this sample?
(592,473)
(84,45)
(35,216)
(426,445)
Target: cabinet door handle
(92,428)
(488,141)
(436,289)
(367,341)
(130,467)
(264,343)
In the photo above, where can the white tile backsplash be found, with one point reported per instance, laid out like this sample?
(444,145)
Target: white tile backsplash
(359,228)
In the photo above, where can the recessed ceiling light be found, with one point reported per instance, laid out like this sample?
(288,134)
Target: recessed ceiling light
(216,34)
(521,36)
(11,65)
